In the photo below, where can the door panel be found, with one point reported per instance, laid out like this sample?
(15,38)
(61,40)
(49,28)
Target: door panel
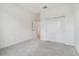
(54,30)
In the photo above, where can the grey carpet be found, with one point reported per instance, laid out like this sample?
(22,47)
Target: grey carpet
(37,48)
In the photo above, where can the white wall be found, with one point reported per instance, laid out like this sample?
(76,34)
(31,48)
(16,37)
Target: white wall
(66,11)
(76,27)
(16,24)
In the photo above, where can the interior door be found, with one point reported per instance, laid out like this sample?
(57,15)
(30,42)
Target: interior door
(54,30)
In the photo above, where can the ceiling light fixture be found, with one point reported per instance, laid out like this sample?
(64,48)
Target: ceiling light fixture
(45,7)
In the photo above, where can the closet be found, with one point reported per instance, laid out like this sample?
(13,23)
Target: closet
(56,24)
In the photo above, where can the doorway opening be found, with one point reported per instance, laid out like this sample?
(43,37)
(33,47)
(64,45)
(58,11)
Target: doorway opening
(36,26)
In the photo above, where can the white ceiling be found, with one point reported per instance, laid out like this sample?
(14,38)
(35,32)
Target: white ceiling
(37,7)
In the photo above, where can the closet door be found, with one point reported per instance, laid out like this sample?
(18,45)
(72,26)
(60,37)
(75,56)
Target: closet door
(54,30)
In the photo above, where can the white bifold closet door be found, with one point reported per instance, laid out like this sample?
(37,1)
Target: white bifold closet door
(55,29)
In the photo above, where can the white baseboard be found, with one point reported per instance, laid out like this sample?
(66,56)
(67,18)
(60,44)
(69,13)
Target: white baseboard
(4,46)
